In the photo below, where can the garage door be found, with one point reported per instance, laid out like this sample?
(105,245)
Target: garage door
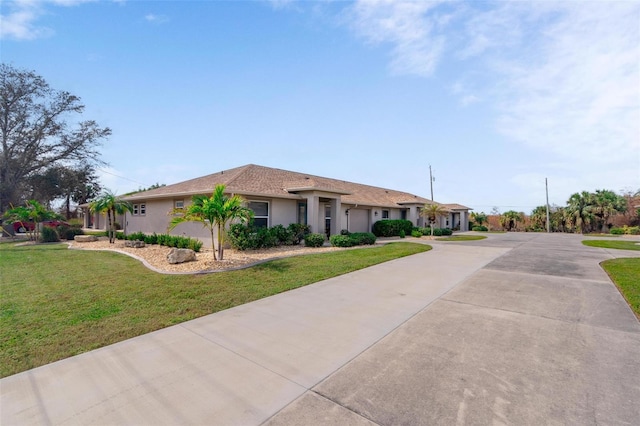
(359,220)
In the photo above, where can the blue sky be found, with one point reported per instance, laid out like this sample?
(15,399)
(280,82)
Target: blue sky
(495,96)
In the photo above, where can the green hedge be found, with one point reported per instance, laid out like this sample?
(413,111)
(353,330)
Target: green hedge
(314,240)
(163,240)
(392,227)
(480,228)
(347,239)
(248,237)
(437,232)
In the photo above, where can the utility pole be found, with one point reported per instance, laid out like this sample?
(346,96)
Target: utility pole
(431,179)
(546,187)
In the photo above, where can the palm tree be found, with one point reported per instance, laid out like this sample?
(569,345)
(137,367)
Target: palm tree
(213,212)
(479,218)
(605,204)
(432,212)
(579,209)
(110,204)
(539,217)
(31,211)
(509,220)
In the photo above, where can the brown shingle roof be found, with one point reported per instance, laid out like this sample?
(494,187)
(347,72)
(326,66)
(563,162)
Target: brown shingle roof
(269,182)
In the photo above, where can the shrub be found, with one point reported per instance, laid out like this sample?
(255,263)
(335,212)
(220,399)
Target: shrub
(298,232)
(616,231)
(345,232)
(392,227)
(416,234)
(480,228)
(68,232)
(340,240)
(362,238)
(282,235)
(314,240)
(49,235)
(402,234)
(239,236)
(195,245)
(633,230)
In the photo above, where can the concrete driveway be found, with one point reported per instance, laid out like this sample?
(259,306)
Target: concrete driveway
(515,329)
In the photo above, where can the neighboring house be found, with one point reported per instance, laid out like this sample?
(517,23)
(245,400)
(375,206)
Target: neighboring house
(281,197)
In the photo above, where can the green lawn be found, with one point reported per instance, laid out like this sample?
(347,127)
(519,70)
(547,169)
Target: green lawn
(462,238)
(625,273)
(55,302)
(613,244)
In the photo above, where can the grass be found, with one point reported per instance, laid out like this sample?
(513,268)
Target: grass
(462,238)
(56,302)
(613,244)
(625,273)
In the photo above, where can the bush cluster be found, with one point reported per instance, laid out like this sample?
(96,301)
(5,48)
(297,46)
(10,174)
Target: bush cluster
(348,239)
(480,228)
(314,240)
(163,240)
(49,235)
(437,232)
(68,232)
(416,233)
(628,230)
(392,227)
(248,237)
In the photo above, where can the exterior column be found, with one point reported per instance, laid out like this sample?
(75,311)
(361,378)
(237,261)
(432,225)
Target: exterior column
(313,207)
(336,220)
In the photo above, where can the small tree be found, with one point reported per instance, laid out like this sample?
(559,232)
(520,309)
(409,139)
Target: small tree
(111,205)
(213,212)
(31,211)
(509,220)
(432,212)
(479,218)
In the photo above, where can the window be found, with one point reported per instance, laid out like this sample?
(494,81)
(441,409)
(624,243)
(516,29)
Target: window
(139,209)
(178,204)
(385,214)
(260,213)
(302,213)
(403,214)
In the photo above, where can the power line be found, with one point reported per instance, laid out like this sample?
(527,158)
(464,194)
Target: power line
(122,177)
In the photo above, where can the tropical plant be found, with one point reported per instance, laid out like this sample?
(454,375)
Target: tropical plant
(605,204)
(539,218)
(509,220)
(31,211)
(580,211)
(432,212)
(479,218)
(213,212)
(110,204)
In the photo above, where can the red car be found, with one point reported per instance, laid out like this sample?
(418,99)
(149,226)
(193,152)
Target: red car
(23,227)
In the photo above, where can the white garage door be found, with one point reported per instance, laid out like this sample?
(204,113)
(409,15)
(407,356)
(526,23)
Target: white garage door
(359,220)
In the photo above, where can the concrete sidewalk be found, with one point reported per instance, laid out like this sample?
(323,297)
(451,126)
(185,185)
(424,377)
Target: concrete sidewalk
(515,329)
(242,365)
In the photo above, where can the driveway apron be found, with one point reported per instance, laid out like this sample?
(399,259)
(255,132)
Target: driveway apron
(538,336)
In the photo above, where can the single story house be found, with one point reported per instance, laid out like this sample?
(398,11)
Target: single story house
(281,197)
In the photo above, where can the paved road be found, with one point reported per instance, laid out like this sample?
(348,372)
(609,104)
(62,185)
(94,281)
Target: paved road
(515,329)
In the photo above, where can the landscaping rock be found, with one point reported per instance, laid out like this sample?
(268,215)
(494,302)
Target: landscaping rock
(134,244)
(178,255)
(85,238)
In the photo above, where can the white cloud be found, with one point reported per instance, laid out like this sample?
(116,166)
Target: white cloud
(156,19)
(576,92)
(413,32)
(563,77)
(21,22)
